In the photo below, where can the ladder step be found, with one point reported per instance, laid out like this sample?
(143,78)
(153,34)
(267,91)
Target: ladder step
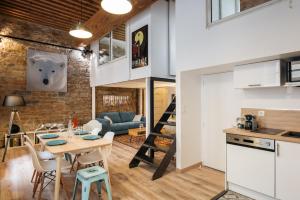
(171,113)
(168,123)
(155,148)
(168,136)
(145,159)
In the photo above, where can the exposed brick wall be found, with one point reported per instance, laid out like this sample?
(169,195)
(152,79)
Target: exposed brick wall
(41,106)
(246,4)
(132,93)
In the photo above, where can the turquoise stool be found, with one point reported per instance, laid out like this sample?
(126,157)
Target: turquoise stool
(88,176)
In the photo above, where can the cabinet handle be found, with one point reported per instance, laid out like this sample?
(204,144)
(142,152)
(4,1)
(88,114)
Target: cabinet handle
(254,85)
(277,148)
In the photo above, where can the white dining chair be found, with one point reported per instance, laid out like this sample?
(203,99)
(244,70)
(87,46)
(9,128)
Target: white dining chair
(96,156)
(95,131)
(44,169)
(42,155)
(91,125)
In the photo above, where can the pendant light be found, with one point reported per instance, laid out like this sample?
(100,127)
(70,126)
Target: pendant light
(117,7)
(79,30)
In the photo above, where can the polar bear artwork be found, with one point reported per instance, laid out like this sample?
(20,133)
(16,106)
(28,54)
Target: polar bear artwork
(46,71)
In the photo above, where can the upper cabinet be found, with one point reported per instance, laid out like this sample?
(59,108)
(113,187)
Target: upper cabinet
(262,74)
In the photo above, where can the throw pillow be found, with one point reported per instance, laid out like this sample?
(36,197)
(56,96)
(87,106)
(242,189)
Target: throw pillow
(109,119)
(137,118)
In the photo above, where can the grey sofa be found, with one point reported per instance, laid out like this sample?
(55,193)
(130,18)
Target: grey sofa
(122,121)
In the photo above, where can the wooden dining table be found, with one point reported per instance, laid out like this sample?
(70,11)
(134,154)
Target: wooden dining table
(74,143)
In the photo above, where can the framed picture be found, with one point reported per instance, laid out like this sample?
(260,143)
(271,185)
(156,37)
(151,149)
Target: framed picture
(46,71)
(115,100)
(140,47)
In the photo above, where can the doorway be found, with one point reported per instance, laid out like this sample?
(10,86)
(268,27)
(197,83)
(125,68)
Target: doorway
(219,108)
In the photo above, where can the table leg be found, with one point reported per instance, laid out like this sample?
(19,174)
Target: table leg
(105,163)
(57,178)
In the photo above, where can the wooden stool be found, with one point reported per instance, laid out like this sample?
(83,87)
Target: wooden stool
(88,176)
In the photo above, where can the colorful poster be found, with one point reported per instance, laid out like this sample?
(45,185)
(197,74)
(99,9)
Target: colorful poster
(140,48)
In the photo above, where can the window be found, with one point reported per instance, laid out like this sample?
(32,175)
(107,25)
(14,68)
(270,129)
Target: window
(104,49)
(119,41)
(220,9)
(113,45)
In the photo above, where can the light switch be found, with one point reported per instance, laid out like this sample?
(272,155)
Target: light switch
(261,113)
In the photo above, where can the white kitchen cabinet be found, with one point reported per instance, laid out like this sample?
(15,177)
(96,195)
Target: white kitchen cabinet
(262,74)
(251,168)
(287,170)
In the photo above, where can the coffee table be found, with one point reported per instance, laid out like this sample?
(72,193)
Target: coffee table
(136,132)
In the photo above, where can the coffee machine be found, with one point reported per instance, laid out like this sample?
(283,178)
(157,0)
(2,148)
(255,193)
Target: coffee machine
(251,123)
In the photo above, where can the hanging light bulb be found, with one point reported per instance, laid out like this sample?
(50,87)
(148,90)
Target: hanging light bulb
(79,30)
(117,7)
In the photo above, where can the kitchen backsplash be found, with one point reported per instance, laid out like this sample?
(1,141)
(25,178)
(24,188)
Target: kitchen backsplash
(279,119)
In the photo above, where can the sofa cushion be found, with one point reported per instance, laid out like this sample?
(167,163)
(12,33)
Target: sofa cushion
(124,126)
(127,116)
(137,118)
(109,119)
(114,116)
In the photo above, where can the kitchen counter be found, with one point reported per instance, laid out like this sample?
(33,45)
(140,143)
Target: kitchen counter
(278,136)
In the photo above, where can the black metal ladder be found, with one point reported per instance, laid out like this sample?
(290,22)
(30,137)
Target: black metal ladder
(141,155)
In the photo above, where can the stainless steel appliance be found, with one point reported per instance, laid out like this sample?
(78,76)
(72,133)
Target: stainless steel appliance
(251,123)
(251,142)
(250,166)
(293,74)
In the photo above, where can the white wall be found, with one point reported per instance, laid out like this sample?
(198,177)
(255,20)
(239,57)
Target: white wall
(189,130)
(172,38)
(135,23)
(268,31)
(188,103)
(156,17)
(271,98)
(112,72)
(160,40)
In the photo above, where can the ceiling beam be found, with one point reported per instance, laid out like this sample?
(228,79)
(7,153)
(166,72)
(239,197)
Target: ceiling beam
(35,8)
(32,19)
(102,22)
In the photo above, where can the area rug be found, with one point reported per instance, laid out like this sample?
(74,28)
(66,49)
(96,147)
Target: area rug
(230,195)
(135,142)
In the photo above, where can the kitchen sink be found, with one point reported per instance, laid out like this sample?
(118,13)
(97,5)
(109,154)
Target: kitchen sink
(292,134)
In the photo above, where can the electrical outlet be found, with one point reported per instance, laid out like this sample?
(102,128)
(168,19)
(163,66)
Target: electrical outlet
(261,113)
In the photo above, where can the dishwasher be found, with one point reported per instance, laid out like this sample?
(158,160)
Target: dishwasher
(250,164)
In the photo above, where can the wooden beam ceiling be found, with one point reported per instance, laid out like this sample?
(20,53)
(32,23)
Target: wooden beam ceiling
(103,22)
(65,14)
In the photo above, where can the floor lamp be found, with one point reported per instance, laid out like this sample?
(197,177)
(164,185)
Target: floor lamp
(12,101)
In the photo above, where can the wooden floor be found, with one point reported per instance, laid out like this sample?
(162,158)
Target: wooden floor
(127,184)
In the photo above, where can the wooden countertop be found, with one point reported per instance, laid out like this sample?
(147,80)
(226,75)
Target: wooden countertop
(278,137)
